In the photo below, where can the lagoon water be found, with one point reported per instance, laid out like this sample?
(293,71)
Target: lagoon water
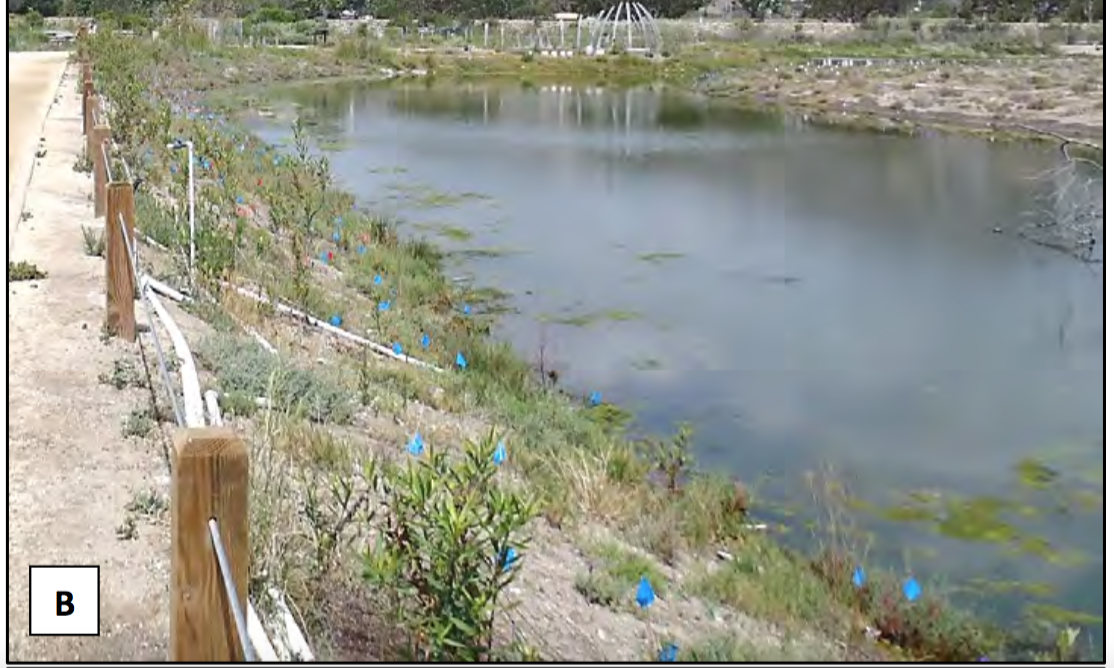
(803,296)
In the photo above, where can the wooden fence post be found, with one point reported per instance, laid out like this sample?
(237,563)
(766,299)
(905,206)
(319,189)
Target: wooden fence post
(87,101)
(210,481)
(97,152)
(87,118)
(119,277)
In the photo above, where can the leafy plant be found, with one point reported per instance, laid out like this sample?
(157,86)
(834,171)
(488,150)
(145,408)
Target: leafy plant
(450,546)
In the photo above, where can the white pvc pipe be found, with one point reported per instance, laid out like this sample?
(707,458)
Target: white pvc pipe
(193,221)
(262,341)
(167,291)
(191,386)
(321,324)
(294,638)
(258,637)
(213,407)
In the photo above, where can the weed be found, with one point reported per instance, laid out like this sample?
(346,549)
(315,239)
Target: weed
(140,422)
(451,544)
(24,271)
(82,164)
(149,503)
(614,575)
(127,530)
(124,374)
(93,241)
(764,580)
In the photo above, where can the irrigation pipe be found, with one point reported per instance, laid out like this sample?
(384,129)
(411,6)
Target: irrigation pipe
(296,642)
(191,386)
(165,290)
(337,331)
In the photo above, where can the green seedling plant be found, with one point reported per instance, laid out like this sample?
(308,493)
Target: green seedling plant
(451,543)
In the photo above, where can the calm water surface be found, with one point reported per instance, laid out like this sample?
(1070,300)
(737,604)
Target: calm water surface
(802,296)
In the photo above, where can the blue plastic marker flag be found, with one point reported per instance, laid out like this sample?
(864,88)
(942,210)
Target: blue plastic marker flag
(668,654)
(425,341)
(460,361)
(500,454)
(912,589)
(397,347)
(239,199)
(467,309)
(361,249)
(378,280)
(335,320)
(594,398)
(385,306)
(174,169)
(858,578)
(336,237)
(509,557)
(324,257)
(644,597)
(416,446)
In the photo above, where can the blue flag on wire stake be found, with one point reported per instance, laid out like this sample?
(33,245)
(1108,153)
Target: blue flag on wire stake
(397,348)
(416,446)
(362,249)
(594,398)
(385,305)
(425,341)
(467,310)
(460,361)
(378,280)
(335,320)
(509,556)
(858,578)
(500,454)
(912,589)
(644,596)
(336,237)
(668,654)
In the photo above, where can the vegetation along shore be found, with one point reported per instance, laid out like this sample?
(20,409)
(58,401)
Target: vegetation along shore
(477,510)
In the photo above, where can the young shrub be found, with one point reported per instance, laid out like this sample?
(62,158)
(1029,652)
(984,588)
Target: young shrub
(450,545)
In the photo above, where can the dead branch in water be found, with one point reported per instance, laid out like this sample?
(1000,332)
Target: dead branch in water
(1071,218)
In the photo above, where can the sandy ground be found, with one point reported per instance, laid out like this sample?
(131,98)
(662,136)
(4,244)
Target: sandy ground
(32,80)
(71,470)
(1064,95)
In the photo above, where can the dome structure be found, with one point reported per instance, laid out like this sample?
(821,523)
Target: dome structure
(626,27)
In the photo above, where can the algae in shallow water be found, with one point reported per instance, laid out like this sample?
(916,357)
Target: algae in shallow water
(591,318)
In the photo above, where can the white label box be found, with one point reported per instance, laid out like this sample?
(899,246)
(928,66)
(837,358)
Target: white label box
(65,600)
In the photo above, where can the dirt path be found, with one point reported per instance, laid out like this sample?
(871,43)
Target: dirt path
(71,470)
(32,81)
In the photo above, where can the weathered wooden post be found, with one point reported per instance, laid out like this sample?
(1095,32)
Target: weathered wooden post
(98,153)
(210,481)
(119,275)
(87,100)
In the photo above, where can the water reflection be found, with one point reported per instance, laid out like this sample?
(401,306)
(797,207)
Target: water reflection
(802,295)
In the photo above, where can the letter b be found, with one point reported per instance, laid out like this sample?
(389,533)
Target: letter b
(65,604)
